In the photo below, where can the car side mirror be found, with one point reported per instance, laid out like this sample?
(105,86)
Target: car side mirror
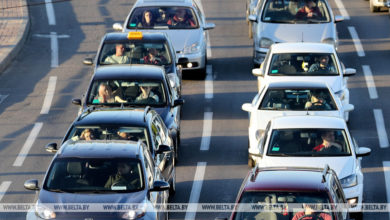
(31,184)
(88,61)
(117,27)
(159,186)
(209,26)
(363,151)
(52,147)
(163,149)
(252,18)
(349,107)
(247,107)
(257,72)
(349,72)
(338,18)
(220,218)
(178,102)
(76,102)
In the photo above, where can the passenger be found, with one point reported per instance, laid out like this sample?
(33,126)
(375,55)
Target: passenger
(163,18)
(181,19)
(309,10)
(309,214)
(147,20)
(105,95)
(87,135)
(119,57)
(154,58)
(323,66)
(125,136)
(124,177)
(328,142)
(147,95)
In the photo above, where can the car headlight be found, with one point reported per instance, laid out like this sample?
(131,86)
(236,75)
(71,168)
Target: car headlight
(265,42)
(349,181)
(329,41)
(138,212)
(193,48)
(44,212)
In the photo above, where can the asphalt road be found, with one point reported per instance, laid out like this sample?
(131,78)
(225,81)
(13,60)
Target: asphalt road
(79,26)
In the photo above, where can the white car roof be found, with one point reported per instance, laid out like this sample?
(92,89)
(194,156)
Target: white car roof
(307,121)
(302,47)
(141,3)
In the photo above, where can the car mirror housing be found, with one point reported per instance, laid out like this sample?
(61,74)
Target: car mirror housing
(257,72)
(178,102)
(209,26)
(117,27)
(349,107)
(163,149)
(76,102)
(252,18)
(338,18)
(159,186)
(88,61)
(363,151)
(247,107)
(31,184)
(52,147)
(349,72)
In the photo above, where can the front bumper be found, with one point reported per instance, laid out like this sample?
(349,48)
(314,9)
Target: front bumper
(259,55)
(192,61)
(353,193)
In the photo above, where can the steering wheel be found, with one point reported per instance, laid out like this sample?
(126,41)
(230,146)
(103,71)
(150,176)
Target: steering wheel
(313,216)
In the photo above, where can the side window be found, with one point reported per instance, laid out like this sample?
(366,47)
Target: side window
(149,167)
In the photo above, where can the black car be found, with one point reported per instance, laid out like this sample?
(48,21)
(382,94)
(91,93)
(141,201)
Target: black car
(128,125)
(135,86)
(91,174)
(137,46)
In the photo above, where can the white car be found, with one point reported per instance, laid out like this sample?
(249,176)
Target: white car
(290,98)
(314,141)
(291,61)
(183,21)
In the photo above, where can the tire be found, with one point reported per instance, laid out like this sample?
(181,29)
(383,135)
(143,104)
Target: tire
(202,71)
(250,33)
(372,7)
(172,184)
(177,143)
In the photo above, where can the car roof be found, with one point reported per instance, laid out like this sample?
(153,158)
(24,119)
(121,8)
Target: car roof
(296,84)
(112,116)
(302,47)
(141,3)
(116,37)
(134,71)
(286,179)
(100,149)
(308,121)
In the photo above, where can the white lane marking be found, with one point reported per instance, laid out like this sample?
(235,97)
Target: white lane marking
(209,54)
(381,129)
(3,188)
(54,45)
(50,12)
(342,9)
(28,144)
(207,128)
(49,95)
(356,41)
(195,191)
(2,98)
(209,90)
(386,170)
(370,82)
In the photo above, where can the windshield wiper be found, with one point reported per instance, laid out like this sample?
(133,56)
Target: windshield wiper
(282,21)
(60,191)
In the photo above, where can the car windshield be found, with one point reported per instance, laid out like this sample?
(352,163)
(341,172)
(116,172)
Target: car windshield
(303,64)
(135,53)
(95,175)
(163,18)
(130,92)
(281,204)
(295,11)
(308,143)
(298,100)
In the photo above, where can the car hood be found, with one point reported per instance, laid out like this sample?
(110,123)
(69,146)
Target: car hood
(343,166)
(334,82)
(184,38)
(297,32)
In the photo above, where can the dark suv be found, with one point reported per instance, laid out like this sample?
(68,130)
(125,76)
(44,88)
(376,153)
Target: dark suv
(101,172)
(291,189)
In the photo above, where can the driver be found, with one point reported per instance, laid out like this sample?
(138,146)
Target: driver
(328,140)
(309,214)
(124,177)
(317,103)
(153,58)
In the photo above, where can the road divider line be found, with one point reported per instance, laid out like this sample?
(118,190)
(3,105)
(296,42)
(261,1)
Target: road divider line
(50,12)
(3,188)
(356,41)
(386,170)
(54,49)
(2,98)
(370,82)
(381,129)
(207,129)
(195,191)
(209,88)
(49,95)
(28,144)
(342,9)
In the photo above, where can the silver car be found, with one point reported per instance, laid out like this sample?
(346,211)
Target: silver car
(292,21)
(184,22)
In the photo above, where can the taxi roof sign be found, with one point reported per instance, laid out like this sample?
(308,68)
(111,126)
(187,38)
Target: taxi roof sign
(134,36)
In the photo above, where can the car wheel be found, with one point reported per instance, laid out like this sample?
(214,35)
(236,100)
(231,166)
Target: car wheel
(251,162)
(177,143)
(372,7)
(203,72)
(172,187)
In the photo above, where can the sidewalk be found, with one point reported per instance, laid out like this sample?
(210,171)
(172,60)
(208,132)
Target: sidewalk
(14,25)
